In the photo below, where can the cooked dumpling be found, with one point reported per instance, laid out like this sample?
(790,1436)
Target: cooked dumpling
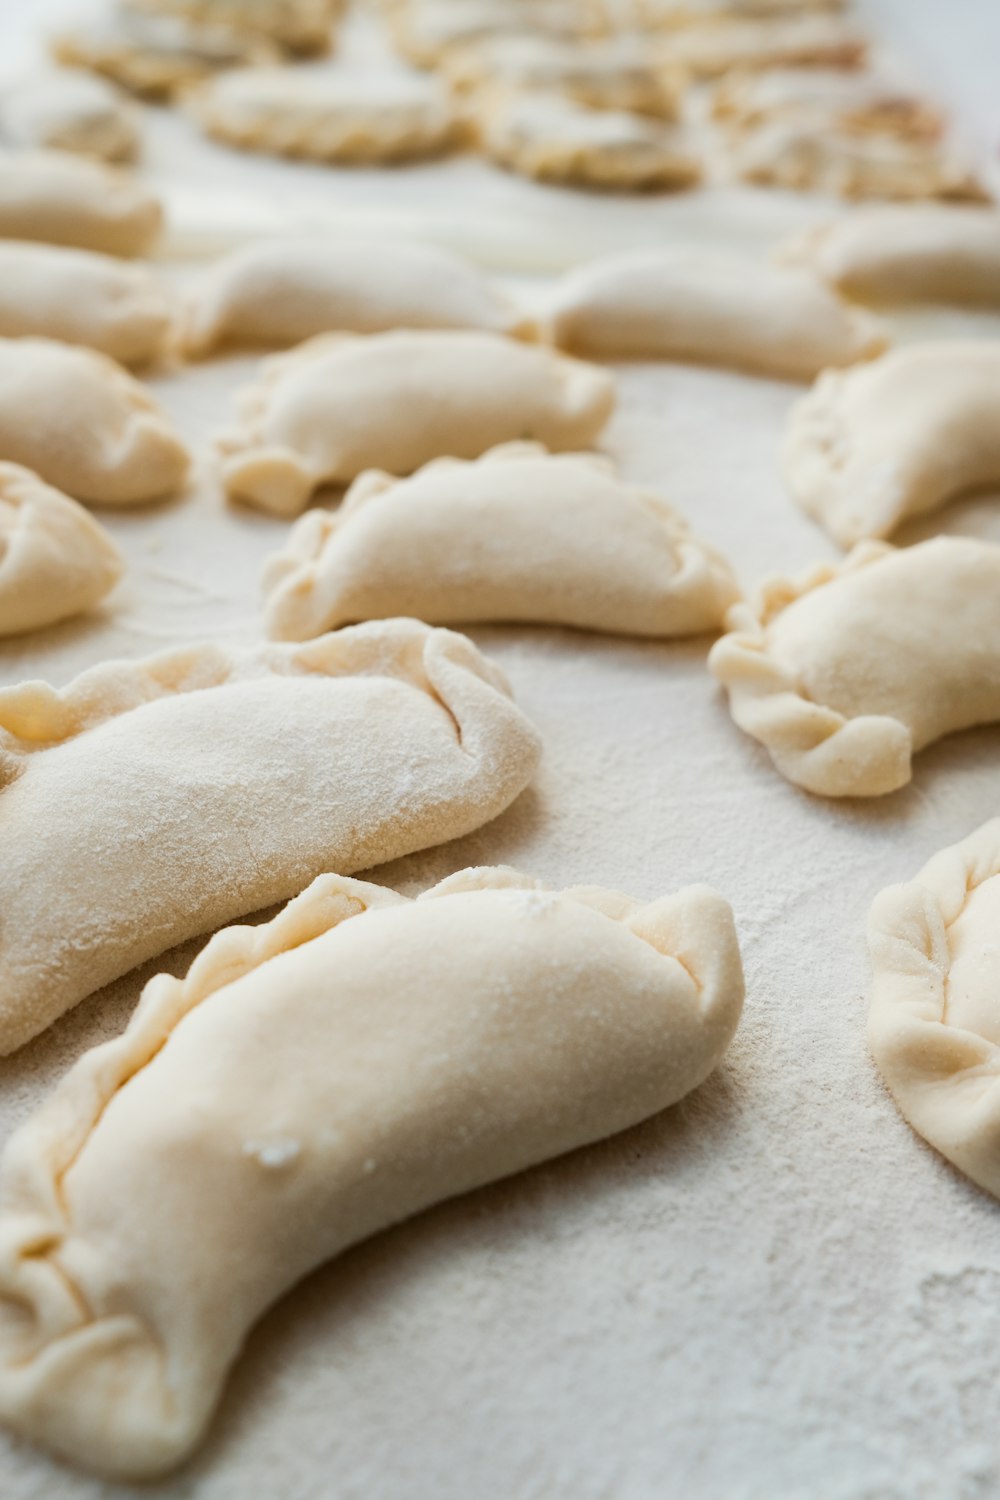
(519,535)
(280,292)
(68,111)
(867,449)
(157,56)
(709,306)
(177,793)
(844,674)
(311,1081)
(84,425)
(341,404)
(81,297)
(63,199)
(55,561)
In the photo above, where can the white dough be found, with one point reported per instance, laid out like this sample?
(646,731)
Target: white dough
(68,111)
(64,199)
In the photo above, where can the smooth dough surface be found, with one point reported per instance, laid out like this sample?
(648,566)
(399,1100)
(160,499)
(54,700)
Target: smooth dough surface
(179,792)
(867,449)
(157,56)
(713,307)
(614,73)
(85,425)
(83,297)
(520,534)
(328,114)
(907,253)
(68,111)
(720,46)
(275,293)
(55,560)
(64,199)
(310,1082)
(343,403)
(844,674)
(838,97)
(934,1022)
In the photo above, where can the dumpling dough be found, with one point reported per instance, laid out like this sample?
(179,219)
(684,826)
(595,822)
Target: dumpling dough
(84,425)
(55,561)
(935,1001)
(279,292)
(844,674)
(548,136)
(297,25)
(690,12)
(341,404)
(613,73)
(310,1082)
(519,535)
(810,157)
(63,199)
(710,306)
(907,253)
(869,448)
(156,56)
(327,114)
(81,297)
(176,793)
(720,46)
(68,111)
(425,31)
(839,98)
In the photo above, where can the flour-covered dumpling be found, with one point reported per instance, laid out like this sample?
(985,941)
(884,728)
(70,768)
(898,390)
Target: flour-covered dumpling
(844,674)
(64,199)
(867,449)
(179,792)
(55,560)
(521,534)
(157,56)
(551,137)
(844,99)
(84,425)
(427,31)
(308,1083)
(671,13)
(722,46)
(897,252)
(279,292)
(343,403)
(935,1002)
(328,114)
(613,73)
(68,111)
(710,306)
(302,26)
(82,297)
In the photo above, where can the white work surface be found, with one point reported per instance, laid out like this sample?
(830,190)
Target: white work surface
(774,1291)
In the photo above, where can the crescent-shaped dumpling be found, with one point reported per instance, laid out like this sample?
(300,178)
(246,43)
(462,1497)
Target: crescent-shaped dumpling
(63,199)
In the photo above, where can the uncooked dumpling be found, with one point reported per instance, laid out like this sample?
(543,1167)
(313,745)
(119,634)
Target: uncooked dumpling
(721,46)
(55,560)
(341,404)
(844,674)
(158,56)
(839,98)
(425,31)
(64,199)
(174,794)
(296,25)
(520,534)
(613,73)
(68,111)
(308,1083)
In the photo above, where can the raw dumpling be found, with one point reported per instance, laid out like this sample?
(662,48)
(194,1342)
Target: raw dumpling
(331,115)
(63,199)
(55,561)
(520,534)
(720,46)
(341,404)
(713,307)
(84,425)
(550,137)
(68,111)
(81,297)
(907,253)
(839,98)
(425,31)
(932,1026)
(310,1082)
(846,673)
(280,292)
(690,12)
(156,56)
(174,794)
(867,449)
(296,25)
(614,73)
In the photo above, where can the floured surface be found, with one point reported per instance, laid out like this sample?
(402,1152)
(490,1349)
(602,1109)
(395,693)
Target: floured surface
(773,1292)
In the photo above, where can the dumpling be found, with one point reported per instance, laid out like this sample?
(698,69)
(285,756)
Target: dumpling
(55,560)
(722,46)
(301,26)
(839,98)
(308,1083)
(844,674)
(280,292)
(68,111)
(176,793)
(520,534)
(867,449)
(343,403)
(709,306)
(84,425)
(614,73)
(691,12)
(158,56)
(327,114)
(81,297)
(907,253)
(64,199)
(425,31)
